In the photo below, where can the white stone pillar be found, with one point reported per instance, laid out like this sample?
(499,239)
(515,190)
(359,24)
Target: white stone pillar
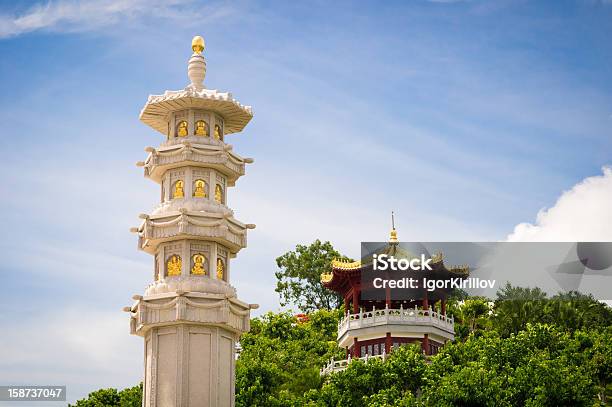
(189,366)
(190,323)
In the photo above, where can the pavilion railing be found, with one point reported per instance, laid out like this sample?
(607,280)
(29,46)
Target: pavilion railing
(339,365)
(397,316)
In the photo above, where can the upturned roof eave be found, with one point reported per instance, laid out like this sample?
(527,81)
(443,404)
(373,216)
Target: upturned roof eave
(155,112)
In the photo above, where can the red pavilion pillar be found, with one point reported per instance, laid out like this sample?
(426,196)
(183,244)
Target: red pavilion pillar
(388,343)
(425,344)
(388,297)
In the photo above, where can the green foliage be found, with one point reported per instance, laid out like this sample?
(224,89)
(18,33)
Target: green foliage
(391,397)
(574,311)
(281,358)
(600,359)
(299,277)
(374,383)
(515,307)
(510,292)
(129,397)
(470,315)
(541,366)
(503,356)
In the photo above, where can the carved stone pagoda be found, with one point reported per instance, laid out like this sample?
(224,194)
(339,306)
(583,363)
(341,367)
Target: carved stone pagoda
(190,316)
(373,328)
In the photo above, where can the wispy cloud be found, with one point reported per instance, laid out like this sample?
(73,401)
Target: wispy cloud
(79,16)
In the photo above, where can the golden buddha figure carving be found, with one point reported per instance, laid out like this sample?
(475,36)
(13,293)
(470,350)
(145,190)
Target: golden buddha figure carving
(199,190)
(201,128)
(181,129)
(220,269)
(179,190)
(218,132)
(173,266)
(218,194)
(199,267)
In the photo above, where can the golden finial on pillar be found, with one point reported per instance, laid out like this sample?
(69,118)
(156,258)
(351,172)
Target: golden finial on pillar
(198,44)
(393,236)
(196,68)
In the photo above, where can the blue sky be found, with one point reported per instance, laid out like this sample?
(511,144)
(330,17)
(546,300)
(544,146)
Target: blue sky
(467,118)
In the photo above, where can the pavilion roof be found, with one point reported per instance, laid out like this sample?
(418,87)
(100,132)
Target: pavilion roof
(342,271)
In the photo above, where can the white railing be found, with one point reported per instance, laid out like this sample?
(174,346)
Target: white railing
(339,365)
(401,316)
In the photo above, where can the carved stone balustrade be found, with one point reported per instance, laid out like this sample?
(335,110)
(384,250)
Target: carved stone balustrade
(409,320)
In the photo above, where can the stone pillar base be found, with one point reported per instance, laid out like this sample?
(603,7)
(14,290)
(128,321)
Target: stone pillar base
(190,341)
(189,366)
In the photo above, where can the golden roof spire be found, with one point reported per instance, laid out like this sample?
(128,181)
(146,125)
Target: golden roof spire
(197,44)
(393,235)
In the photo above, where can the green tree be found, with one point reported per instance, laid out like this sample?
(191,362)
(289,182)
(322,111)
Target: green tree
(299,276)
(473,313)
(565,361)
(600,357)
(281,357)
(540,366)
(573,310)
(391,397)
(510,292)
(374,383)
(515,307)
(129,397)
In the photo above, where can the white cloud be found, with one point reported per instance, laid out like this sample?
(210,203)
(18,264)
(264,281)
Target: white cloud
(584,213)
(78,16)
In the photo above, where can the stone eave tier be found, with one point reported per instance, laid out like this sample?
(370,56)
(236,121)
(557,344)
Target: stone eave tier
(156,111)
(219,157)
(184,224)
(213,310)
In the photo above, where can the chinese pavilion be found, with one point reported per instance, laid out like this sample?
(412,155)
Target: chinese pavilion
(190,316)
(373,327)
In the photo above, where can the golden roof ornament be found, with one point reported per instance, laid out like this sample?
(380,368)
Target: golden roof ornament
(198,44)
(393,234)
(196,68)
